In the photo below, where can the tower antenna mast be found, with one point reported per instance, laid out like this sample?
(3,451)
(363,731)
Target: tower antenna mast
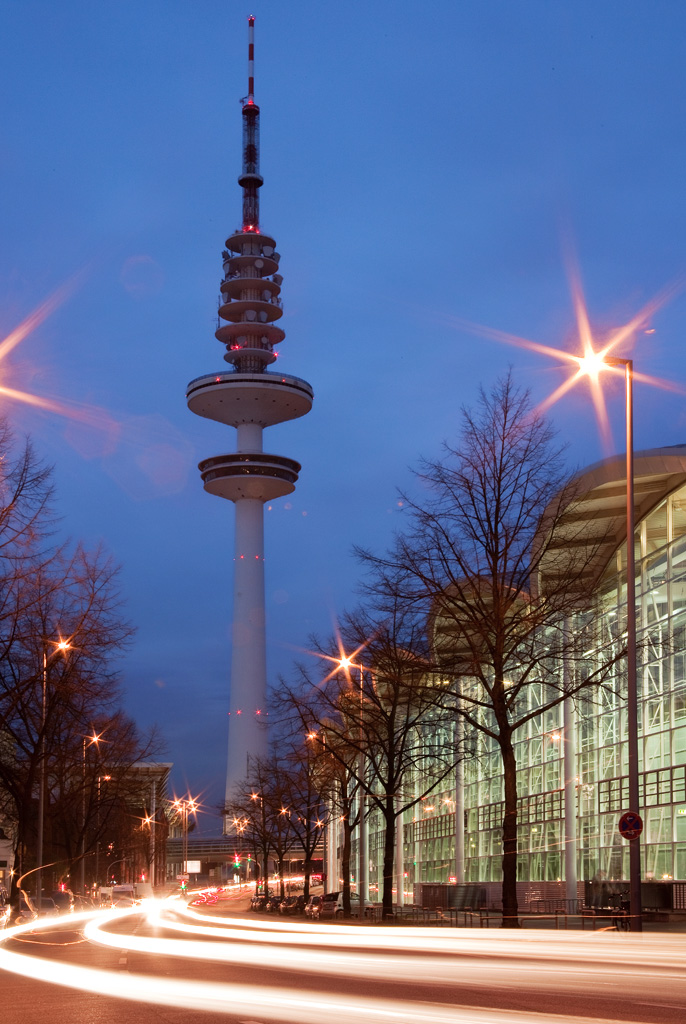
(251,179)
(251,58)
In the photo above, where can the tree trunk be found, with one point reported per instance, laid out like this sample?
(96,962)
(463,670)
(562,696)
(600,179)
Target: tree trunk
(308,872)
(388,857)
(14,878)
(265,869)
(510,909)
(21,861)
(345,863)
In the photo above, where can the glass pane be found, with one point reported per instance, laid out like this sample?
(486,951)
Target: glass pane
(656,529)
(679,514)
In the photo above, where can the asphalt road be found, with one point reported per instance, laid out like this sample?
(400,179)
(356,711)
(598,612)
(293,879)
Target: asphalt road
(173,967)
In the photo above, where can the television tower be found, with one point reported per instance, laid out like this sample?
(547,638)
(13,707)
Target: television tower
(249,397)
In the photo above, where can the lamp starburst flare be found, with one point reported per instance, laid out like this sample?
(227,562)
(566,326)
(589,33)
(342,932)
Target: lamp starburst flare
(342,662)
(594,357)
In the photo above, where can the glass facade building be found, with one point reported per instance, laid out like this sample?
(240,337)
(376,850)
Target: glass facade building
(595,723)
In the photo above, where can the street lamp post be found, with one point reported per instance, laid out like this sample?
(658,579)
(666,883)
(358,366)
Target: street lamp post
(363,860)
(325,825)
(150,821)
(591,364)
(264,851)
(63,645)
(114,864)
(101,778)
(94,739)
(153,837)
(631,680)
(184,805)
(240,825)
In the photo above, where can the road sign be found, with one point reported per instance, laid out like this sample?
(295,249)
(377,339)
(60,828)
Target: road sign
(630,825)
(182,878)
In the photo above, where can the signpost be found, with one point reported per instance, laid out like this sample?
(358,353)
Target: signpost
(630,825)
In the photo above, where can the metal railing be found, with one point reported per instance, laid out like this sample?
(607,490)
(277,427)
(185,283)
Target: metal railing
(554,905)
(447,917)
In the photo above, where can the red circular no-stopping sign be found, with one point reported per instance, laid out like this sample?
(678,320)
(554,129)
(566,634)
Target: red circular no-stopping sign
(630,825)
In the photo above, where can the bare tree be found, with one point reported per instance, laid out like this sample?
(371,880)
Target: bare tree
(249,814)
(307,815)
(496,563)
(96,795)
(333,785)
(337,763)
(261,815)
(61,624)
(386,716)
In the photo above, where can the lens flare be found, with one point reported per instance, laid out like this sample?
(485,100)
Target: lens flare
(89,415)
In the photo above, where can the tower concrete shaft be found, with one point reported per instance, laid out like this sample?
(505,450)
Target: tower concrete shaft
(250,398)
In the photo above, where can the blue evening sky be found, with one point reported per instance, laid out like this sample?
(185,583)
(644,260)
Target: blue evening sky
(423,164)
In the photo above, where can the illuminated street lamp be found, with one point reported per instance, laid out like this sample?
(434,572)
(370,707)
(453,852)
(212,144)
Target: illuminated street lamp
(150,821)
(88,741)
(590,365)
(185,806)
(101,778)
(265,856)
(346,664)
(328,845)
(61,645)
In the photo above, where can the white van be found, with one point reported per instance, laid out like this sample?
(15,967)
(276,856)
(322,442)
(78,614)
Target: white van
(123,895)
(332,905)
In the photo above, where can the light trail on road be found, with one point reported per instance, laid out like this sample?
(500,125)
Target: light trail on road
(489,958)
(448,960)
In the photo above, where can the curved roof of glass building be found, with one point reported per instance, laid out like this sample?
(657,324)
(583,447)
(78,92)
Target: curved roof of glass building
(593,525)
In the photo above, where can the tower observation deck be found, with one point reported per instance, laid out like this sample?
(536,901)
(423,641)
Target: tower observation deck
(249,397)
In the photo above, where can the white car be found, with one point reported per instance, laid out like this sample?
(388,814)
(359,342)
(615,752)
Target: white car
(48,907)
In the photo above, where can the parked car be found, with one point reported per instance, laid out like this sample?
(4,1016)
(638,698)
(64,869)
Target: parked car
(272,904)
(258,903)
(64,901)
(332,905)
(47,908)
(312,907)
(26,911)
(292,905)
